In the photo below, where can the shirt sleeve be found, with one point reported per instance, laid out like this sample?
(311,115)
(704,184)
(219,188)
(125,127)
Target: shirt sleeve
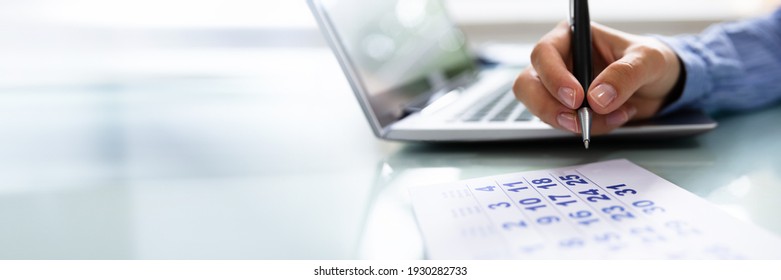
(730,66)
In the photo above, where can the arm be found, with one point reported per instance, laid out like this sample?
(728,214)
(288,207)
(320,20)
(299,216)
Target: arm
(731,66)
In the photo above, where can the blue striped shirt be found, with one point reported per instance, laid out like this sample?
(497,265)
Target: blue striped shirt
(730,66)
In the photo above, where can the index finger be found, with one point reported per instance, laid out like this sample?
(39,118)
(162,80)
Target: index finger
(549,60)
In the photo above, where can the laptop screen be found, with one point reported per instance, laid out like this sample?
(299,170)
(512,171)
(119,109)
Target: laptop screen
(398,50)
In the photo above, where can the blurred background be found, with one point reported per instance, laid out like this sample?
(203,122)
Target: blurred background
(198,128)
(72,40)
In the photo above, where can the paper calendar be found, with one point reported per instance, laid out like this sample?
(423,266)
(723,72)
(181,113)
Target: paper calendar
(607,210)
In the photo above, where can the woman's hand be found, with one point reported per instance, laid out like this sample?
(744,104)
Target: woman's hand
(635,74)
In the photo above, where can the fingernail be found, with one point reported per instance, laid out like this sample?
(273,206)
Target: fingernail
(603,94)
(567,121)
(567,95)
(620,117)
(632,112)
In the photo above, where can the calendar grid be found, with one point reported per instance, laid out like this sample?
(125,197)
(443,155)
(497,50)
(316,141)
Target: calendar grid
(603,189)
(485,213)
(645,218)
(555,208)
(673,225)
(614,224)
(525,215)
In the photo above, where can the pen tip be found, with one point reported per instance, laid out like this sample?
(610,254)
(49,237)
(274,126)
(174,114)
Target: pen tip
(585,143)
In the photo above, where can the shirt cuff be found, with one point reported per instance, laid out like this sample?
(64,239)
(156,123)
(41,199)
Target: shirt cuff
(697,77)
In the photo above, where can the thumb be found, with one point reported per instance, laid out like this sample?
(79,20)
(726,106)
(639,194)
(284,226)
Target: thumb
(622,78)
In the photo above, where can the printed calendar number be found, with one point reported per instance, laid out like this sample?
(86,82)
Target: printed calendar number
(547,220)
(532,204)
(562,200)
(512,187)
(610,239)
(621,190)
(618,213)
(543,183)
(647,234)
(607,237)
(648,206)
(583,217)
(514,225)
(499,205)
(486,188)
(572,180)
(594,195)
(574,242)
(531,248)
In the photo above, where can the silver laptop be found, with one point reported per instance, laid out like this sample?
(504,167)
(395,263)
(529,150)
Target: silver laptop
(415,78)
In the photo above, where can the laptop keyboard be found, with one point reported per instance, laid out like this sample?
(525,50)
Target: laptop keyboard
(500,108)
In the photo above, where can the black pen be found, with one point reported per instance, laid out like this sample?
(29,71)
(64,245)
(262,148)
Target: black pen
(580,25)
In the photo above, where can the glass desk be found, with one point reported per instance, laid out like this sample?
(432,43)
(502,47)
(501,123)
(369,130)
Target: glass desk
(274,160)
